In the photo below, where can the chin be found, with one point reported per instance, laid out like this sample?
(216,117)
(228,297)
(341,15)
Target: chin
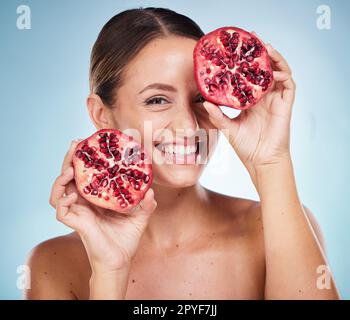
(178,165)
(177,176)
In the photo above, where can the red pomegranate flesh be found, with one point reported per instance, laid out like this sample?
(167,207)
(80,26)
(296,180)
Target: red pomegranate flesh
(232,68)
(112,170)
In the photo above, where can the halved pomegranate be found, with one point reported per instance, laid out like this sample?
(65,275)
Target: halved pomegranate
(232,68)
(112,170)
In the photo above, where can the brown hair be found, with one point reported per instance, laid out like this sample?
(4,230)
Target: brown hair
(123,36)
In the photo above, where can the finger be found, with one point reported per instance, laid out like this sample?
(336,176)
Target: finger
(73,215)
(221,121)
(148,204)
(288,93)
(278,60)
(216,116)
(63,213)
(67,161)
(288,85)
(280,76)
(59,186)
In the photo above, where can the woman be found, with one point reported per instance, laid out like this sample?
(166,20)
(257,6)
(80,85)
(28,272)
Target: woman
(189,243)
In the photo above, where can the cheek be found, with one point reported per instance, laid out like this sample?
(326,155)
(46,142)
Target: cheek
(155,122)
(124,118)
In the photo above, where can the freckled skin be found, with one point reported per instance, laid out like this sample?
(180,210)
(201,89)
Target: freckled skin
(218,265)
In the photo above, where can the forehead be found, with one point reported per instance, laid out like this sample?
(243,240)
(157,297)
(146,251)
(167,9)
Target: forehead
(162,60)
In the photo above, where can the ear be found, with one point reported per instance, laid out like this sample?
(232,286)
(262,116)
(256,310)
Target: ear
(100,114)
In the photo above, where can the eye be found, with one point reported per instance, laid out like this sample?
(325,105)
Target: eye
(199,99)
(157,100)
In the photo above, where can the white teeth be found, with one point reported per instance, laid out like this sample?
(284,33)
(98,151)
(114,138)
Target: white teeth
(181,150)
(191,149)
(169,149)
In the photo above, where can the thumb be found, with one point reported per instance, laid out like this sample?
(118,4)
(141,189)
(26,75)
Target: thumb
(64,211)
(148,204)
(220,120)
(144,209)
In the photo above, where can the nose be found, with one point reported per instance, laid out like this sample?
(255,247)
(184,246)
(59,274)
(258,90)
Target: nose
(185,118)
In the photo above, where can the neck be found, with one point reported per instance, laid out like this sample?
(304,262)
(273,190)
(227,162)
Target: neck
(179,215)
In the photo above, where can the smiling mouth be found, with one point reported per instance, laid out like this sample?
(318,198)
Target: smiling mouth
(179,153)
(178,149)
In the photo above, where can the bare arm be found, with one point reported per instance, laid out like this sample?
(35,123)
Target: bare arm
(292,248)
(260,137)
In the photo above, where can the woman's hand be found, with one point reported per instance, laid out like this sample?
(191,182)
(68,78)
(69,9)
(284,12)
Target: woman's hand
(110,238)
(260,135)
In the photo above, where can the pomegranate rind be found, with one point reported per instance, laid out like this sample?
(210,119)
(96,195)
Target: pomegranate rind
(225,97)
(84,176)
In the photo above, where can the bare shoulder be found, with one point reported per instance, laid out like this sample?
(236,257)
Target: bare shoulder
(58,266)
(246,214)
(243,215)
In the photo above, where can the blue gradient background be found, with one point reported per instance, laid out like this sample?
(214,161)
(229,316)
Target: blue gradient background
(44,83)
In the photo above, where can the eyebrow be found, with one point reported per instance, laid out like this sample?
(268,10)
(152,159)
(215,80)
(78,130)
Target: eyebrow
(159,86)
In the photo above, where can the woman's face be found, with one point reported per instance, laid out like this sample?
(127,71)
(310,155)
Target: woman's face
(159,93)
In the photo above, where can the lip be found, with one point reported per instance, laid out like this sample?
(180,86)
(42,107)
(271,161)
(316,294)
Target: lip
(179,158)
(176,143)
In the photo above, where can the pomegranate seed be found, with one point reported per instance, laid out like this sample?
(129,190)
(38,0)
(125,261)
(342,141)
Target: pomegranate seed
(88,164)
(128,197)
(104,183)
(113,185)
(79,154)
(87,190)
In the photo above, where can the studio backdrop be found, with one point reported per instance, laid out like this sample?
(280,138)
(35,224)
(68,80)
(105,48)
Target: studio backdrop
(44,62)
